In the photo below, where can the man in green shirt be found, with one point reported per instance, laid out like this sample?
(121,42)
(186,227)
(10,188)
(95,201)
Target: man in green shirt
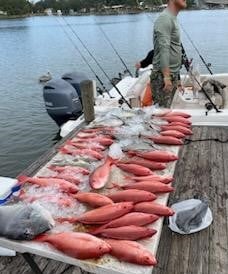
(167,59)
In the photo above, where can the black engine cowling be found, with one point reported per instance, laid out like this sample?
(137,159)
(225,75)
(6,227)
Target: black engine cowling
(62,101)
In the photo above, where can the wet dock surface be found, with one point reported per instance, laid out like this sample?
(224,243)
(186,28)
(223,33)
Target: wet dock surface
(201,171)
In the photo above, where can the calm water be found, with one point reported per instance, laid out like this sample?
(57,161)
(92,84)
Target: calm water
(31,47)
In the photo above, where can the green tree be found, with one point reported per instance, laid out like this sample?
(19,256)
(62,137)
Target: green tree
(15,7)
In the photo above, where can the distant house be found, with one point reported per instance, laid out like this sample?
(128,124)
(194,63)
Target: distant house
(163,6)
(59,12)
(114,8)
(83,10)
(48,12)
(71,12)
(3,12)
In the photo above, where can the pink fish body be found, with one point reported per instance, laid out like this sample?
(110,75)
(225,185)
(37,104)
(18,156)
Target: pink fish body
(154,208)
(130,232)
(44,182)
(176,119)
(166,140)
(100,176)
(146,163)
(70,169)
(151,186)
(81,152)
(156,155)
(62,201)
(78,245)
(135,169)
(178,113)
(67,177)
(173,133)
(85,135)
(87,144)
(132,252)
(132,195)
(179,128)
(132,218)
(165,179)
(179,124)
(93,199)
(105,214)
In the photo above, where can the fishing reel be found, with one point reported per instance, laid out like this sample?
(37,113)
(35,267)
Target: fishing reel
(208,107)
(100,91)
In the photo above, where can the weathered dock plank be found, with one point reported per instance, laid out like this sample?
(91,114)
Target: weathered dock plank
(201,170)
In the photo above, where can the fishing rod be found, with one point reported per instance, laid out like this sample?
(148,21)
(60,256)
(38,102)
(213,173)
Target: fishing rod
(85,60)
(207,65)
(187,66)
(95,60)
(114,49)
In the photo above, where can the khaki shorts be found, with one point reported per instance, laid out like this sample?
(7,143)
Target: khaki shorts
(161,97)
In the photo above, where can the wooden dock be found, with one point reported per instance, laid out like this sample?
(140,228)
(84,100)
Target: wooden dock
(201,170)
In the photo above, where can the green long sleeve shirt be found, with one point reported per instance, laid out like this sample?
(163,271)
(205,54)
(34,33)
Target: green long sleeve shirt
(167,44)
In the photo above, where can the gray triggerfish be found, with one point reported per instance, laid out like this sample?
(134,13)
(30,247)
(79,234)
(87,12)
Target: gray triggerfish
(24,221)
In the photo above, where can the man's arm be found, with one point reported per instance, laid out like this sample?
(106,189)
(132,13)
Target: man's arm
(163,31)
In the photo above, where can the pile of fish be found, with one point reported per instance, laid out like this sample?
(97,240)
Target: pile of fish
(106,180)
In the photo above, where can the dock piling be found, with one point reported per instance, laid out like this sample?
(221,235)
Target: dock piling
(87,94)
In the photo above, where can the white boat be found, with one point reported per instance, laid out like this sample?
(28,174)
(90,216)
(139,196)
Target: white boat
(45,78)
(132,87)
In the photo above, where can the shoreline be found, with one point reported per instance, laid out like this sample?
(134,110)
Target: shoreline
(8,17)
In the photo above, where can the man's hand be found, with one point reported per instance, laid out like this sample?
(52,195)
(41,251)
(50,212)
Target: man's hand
(168,85)
(138,65)
(180,88)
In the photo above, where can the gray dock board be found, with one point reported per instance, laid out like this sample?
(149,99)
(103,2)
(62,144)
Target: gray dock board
(202,169)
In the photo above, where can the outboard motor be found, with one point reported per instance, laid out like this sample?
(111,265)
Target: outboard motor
(62,101)
(75,78)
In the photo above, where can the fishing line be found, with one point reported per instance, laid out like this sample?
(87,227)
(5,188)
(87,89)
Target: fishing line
(189,141)
(95,60)
(196,49)
(114,49)
(197,81)
(83,58)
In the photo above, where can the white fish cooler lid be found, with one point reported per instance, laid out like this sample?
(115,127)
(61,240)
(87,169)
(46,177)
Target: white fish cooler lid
(8,186)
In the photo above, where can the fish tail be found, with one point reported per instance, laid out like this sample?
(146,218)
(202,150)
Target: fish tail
(63,150)
(71,220)
(23,179)
(127,177)
(114,185)
(69,142)
(41,238)
(52,167)
(111,160)
(96,231)
(131,153)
